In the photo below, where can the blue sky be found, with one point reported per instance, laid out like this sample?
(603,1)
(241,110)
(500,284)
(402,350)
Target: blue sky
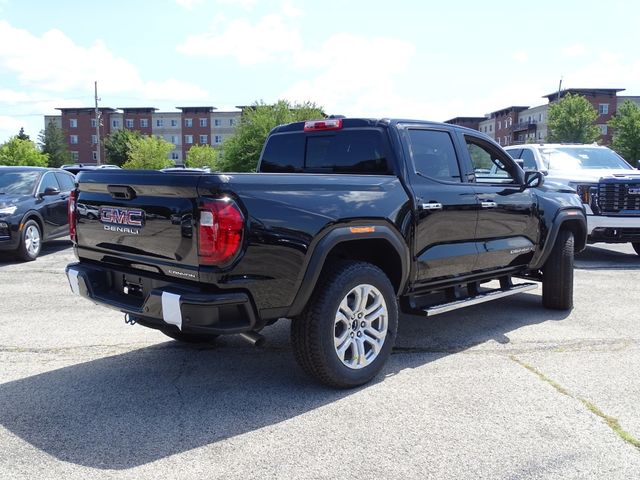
(412,59)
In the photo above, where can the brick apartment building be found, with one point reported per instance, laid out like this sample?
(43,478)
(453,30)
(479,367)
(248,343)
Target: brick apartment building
(184,128)
(521,124)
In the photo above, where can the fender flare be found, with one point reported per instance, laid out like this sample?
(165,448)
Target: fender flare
(563,217)
(336,236)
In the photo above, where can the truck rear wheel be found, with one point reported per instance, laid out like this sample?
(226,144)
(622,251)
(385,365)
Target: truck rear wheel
(636,247)
(557,274)
(347,331)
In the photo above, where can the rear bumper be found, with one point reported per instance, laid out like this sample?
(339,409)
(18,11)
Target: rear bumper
(159,304)
(603,228)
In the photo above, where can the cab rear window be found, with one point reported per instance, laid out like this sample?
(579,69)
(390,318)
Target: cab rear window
(355,151)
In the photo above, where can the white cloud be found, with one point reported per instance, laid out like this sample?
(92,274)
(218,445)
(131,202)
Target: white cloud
(574,51)
(245,4)
(521,56)
(269,39)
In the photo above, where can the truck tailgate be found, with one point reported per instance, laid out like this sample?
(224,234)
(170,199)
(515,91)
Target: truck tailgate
(139,219)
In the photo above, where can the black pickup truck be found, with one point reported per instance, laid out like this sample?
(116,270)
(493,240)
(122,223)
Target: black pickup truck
(347,223)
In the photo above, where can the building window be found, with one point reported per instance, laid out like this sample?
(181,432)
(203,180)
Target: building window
(498,139)
(174,155)
(499,124)
(144,122)
(232,122)
(94,155)
(203,139)
(73,123)
(115,123)
(603,128)
(540,117)
(74,156)
(93,123)
(159,122)
(94,139)
(73,139)
(174,139)
(188,139)
(217,139)
(188,122)
(129,122)
(603,108)
(217,122)
(174,122)
(491,128)
(203,122)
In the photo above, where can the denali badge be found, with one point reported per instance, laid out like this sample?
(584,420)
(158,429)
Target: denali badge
(122,220)
(634,190)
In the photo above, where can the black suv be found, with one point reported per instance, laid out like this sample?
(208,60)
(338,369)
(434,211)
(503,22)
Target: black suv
(33,208)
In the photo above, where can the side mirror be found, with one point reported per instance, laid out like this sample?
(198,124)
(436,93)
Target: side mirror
(50,191)
(533,179)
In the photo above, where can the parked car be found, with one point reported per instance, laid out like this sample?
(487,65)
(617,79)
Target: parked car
(33,208)
(608,186)
(78,167)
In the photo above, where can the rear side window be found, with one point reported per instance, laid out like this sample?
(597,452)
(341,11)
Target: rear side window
(66,182)
(433,154)
(345,151)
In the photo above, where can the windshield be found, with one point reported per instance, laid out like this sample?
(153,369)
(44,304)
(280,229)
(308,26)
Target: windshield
(18,183)
(582,159)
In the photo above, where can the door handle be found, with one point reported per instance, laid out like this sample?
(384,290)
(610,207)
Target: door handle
(431,206)
(488,204)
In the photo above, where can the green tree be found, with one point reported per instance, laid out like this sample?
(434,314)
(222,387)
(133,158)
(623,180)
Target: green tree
(200,156)
(626,132)
(52,142)
(22,135)
(242,151)
(572,120)
(21,152)
(116,145)
(149,153)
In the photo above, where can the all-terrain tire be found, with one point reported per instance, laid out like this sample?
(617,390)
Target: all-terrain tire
(557,274)
(346,333)
(636,247)
(30,241)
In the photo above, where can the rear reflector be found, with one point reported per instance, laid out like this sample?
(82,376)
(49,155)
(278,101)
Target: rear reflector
(219,231)
(71,214)
(317,125)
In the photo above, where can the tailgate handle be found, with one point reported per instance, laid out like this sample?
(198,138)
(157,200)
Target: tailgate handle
(121,192)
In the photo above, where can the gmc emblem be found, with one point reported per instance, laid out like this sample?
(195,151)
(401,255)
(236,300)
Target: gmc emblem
(634,191)
(133,217)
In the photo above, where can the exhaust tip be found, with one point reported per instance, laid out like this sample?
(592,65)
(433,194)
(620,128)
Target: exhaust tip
(254,338)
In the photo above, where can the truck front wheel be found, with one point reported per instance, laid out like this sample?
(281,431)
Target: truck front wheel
(557,274)
(347,331)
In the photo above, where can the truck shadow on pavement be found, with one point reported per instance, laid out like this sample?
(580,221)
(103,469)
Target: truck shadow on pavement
(596,258)
(131,409)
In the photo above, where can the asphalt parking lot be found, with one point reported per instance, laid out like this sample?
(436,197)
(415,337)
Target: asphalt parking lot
(501,390)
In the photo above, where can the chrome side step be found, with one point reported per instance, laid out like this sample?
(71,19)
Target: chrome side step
(481,298)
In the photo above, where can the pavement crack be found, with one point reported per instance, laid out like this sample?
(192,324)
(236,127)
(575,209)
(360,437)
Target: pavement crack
(610,421)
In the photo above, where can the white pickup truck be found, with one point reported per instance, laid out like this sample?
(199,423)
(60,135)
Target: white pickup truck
(608,186)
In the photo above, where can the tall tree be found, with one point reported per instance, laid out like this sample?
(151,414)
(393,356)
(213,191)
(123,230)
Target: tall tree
(22,135)
(200,156)
(116,145)
(572,120)
(52,142)
(149,153)
(242,151)
(626,132)
(21,152)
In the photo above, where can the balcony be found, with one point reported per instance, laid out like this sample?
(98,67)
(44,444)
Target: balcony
(524,126)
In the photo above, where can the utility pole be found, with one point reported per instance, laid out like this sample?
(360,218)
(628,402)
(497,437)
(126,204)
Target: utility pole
(97,124)
(559,89)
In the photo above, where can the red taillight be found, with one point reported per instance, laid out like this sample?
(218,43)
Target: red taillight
(317,125)
(71,213)
(219,231)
